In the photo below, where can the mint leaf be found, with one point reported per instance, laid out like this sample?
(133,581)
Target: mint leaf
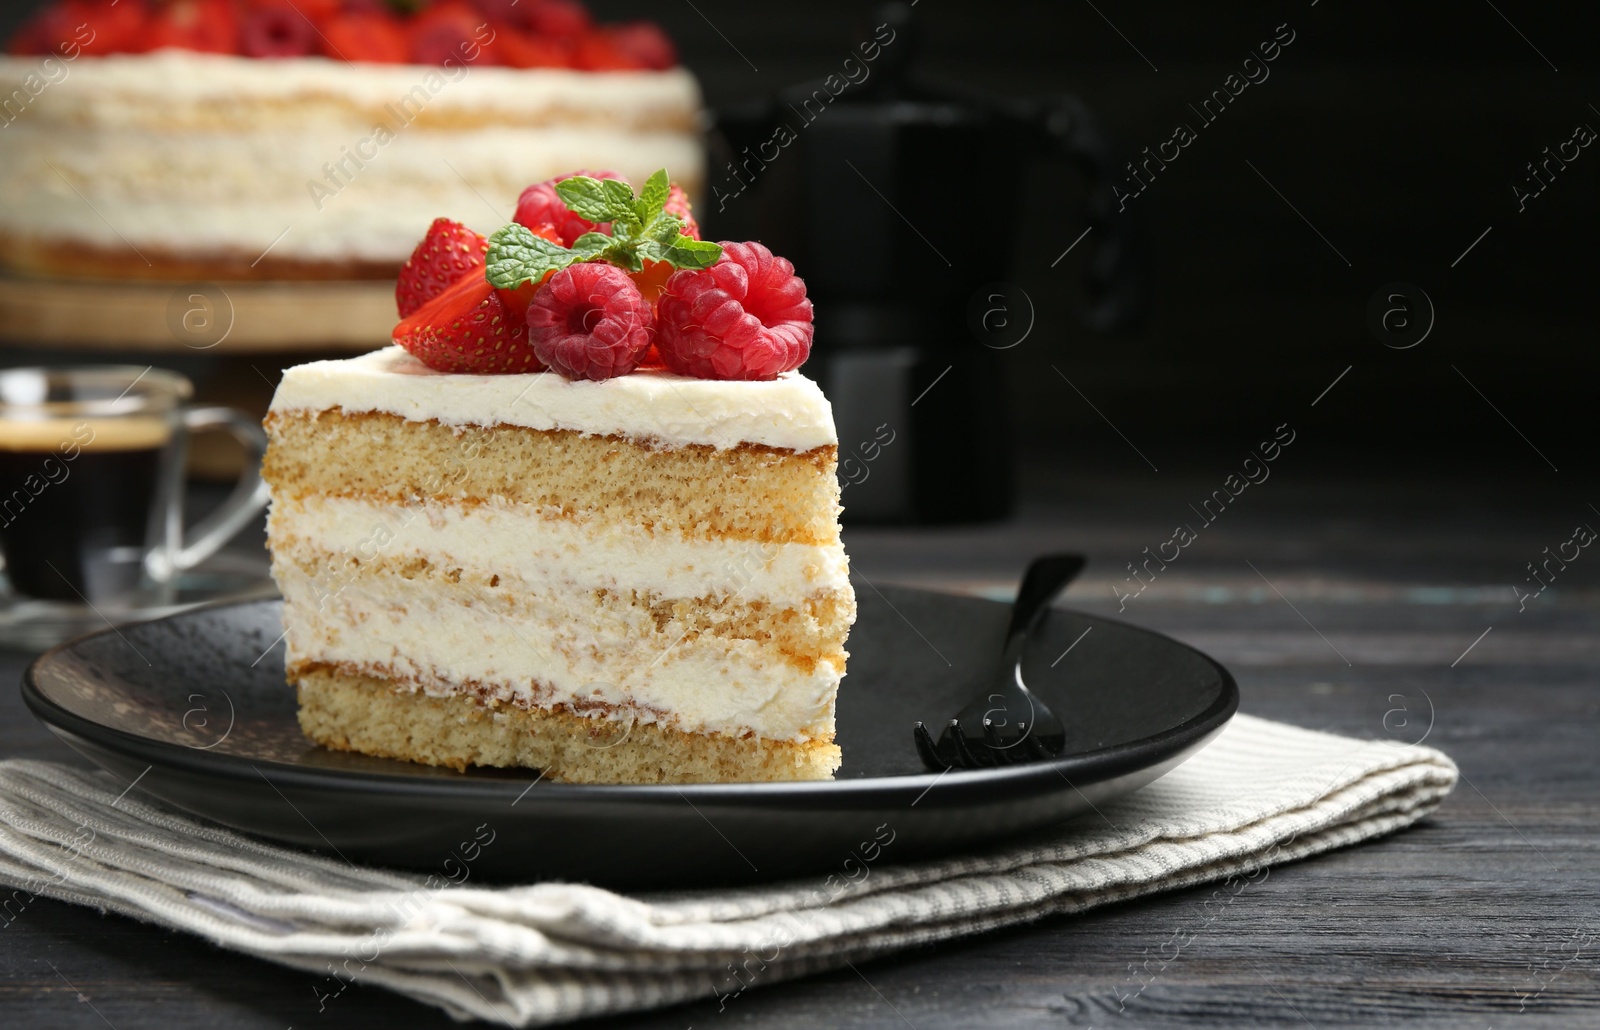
(625,231)
(591,244)
(591,199)
(631,230)
(619,196)
(625,256)
(685,252)
(517,256)
(653,197)
(664,228)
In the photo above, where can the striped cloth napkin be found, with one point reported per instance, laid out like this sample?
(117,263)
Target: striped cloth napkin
(1262,793)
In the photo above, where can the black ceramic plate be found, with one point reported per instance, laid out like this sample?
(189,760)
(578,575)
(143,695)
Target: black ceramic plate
(194,707)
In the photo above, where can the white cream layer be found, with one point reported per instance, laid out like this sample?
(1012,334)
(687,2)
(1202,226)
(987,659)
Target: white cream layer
(789,412)
(196,154)
(515,540)
(399,628)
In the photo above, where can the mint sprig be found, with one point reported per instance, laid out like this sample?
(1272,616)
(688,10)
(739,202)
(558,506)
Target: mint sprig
(632,230)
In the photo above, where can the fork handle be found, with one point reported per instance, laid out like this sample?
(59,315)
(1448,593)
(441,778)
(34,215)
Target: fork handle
(1046,577)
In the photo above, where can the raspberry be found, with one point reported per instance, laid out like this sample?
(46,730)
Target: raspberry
(276,30)
(449,33)
(590,322)
(540,204)
(745,317)
(678,204)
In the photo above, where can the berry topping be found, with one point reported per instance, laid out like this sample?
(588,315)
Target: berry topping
(589,322)
(447,253)
(578,293)
(374,37)
(540,204)
(276,30)
(467,329)
(745,317)
(627,230)
(515,33)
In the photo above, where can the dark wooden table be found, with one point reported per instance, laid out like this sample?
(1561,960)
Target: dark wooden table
(1337,593)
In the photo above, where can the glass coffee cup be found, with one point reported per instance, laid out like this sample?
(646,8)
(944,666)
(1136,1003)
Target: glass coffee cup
(91,494)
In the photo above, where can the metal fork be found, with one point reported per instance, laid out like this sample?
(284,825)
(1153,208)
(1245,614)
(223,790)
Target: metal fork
(1007,724)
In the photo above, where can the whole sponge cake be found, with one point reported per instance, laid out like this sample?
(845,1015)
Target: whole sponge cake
(311,151)
(634,580)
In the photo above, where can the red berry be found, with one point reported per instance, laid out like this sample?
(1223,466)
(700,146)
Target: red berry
(446,254)
(644,42)
(745,317)
(209,26)
(451,33)
(560,19)
(678,204)
(467,329)
(276,30)
(372,38)
(589,322)
(540,204)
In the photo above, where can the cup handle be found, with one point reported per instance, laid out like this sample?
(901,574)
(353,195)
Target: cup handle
(249,496)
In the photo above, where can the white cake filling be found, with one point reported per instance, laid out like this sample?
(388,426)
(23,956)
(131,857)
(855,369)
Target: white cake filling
(788,412)
(515,540)
(557,655)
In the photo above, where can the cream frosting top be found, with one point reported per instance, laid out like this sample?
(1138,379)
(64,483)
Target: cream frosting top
(788,412)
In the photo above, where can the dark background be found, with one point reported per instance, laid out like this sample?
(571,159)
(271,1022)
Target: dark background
(1396,131)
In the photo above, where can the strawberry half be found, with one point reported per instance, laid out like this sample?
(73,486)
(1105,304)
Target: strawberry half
(447,253)
(467,329)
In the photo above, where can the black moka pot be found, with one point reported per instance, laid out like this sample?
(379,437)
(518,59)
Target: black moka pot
(891,197)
